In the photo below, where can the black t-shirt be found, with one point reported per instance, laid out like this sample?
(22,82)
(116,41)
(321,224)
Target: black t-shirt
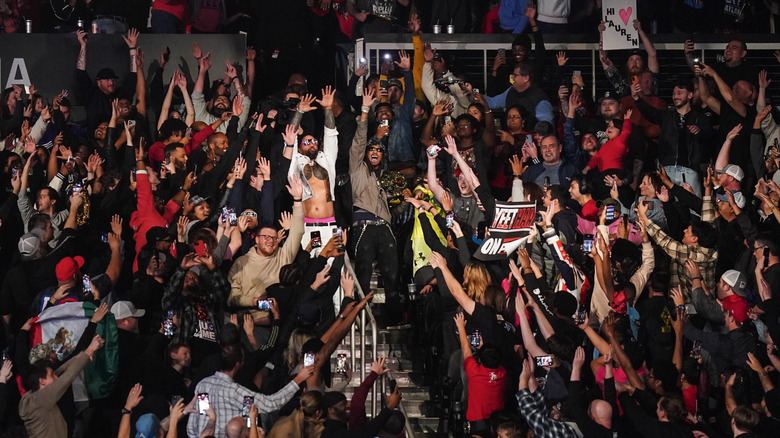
(656,331)
(739,147)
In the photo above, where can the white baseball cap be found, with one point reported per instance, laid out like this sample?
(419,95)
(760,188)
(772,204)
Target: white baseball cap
(126,309)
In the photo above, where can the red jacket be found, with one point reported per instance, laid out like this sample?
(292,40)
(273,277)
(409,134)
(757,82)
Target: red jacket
(146,216)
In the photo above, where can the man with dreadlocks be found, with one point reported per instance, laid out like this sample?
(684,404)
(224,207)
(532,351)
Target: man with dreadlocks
(316,169)
(372,238)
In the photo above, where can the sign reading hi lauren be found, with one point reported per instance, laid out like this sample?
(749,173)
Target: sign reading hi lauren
(619,16)
(512,222)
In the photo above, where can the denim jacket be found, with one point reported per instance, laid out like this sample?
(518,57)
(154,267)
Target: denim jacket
(401,144)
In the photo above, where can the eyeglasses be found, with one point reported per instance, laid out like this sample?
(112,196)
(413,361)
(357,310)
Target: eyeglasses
(249,213)
(267,237)
(309,141)
(513,117)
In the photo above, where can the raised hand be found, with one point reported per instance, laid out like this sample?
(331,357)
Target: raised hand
(405,63)
(81,35)
(561,58)
(204,63)
(763,81)
(251,53)
(305,104)
(295,187)
(734,132)
(327,97)
(368,98)
(132,38)
(230,70)
(238,104)
(196,52)
(290,135)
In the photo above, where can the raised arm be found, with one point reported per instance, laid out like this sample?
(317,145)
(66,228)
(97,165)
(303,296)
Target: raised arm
(166,105)
(456,289)
(704,93)
(433,184)
(725,150)
(725,91)
(251,54)
(652,56)
(460,323)
(140,82)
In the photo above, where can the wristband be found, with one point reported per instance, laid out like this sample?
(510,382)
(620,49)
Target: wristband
(126,411)
(132,48)
(698,278)
(365,109)
(297,200)
(517,176)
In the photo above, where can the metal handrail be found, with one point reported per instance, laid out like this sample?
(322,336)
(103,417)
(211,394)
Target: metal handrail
(374,331)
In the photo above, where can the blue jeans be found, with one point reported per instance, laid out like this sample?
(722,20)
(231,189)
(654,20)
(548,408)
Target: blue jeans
(165,22)
(691,177)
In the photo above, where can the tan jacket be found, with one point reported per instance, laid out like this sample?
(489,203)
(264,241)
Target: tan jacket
(365,185)
(253,272)
(42,418)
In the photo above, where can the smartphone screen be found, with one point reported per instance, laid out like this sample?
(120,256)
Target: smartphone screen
(316,240)
(341,364)
(264,305)
(610,214)
(247,406)
(203,403)
(543,361)
(308,359)
(587,243)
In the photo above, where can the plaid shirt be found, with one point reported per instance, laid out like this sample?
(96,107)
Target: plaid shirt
(706,258)
(533,409)
(227,399)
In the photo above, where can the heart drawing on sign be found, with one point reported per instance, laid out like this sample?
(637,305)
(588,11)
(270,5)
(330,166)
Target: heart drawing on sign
(625,14)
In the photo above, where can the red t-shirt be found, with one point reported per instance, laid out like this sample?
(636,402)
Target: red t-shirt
(486,389)
(689,395)
(611,155)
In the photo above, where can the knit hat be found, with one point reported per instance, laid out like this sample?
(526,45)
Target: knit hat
(330,399)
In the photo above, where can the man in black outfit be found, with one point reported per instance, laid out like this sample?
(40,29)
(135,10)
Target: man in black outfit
(334,404)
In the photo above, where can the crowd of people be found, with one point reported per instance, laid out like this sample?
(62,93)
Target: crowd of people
(202,236)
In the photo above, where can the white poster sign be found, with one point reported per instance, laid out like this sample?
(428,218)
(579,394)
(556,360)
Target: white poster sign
(619,16)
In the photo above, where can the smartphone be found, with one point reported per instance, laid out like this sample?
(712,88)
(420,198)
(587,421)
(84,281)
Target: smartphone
(529,139)
(363,62)
(475,90)
(650,205)
(341,364)
(200,248)
(476,338)
(247,406)
(15,172)
(337,232)
(610,212)
(587,243)
(766,257)
(104,238)
(76,188)
(447,119)
(383,84)
(502,52)
(316,239)
(696,350)
(388,57)
(6,356)
(481,232)
(175,399)
(433,150)
(131,123)
(543,361)
(168,324)
(634,79)
(384,123)
(264,305)
(133,172)
(449,219)
(546,182)
(203,403)
(87,285)
(577,73)
(582,313)
(683,178)
(697,62)
(167,53)
(308,359)
(232,218)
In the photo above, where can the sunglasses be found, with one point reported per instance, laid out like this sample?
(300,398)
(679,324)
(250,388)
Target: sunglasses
(249,213)
(375,148)
(309,141)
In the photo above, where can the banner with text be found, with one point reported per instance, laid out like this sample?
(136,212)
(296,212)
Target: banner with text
(619,16)
(511,224)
